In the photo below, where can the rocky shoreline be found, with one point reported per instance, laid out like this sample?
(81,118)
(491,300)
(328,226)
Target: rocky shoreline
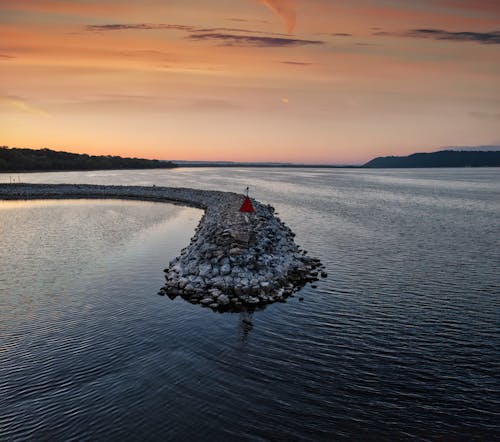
(235,260)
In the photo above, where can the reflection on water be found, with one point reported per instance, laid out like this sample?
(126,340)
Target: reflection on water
(51,250)
(401,341)
(246,324)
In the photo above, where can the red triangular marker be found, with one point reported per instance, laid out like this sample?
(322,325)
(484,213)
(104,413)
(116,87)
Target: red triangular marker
(247,206)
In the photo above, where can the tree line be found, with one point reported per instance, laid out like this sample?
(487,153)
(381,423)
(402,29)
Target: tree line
(442,158)
(21,159)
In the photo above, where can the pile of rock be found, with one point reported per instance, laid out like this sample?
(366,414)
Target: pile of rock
(235,260)
(239,260)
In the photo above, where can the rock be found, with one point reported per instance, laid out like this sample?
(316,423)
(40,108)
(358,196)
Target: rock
(206,301)
(205,270)
(241,237)
(215,292)
(223,300)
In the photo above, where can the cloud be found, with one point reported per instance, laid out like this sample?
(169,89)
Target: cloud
(6,57)
(169,27)
(487,6)
(296,63)
(246,20)
(84,8)
(252,40)
(15,103)
(139,26)
(226,36)
(439,34)
(495,116)
(284,9)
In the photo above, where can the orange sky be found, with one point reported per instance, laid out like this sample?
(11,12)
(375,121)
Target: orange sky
(315,81)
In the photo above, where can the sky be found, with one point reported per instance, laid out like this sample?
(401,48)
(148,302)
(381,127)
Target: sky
(309,81)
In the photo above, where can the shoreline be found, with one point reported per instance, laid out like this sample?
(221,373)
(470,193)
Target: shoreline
(234,261)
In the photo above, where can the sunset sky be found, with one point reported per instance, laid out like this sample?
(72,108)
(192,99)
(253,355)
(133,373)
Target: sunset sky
(314,81)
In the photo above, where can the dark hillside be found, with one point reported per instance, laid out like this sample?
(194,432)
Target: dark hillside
(16,159)
(443,158)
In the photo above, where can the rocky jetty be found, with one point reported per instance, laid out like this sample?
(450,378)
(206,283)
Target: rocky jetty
(234,261)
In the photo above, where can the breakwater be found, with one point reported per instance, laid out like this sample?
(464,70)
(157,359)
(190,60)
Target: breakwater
(234,261)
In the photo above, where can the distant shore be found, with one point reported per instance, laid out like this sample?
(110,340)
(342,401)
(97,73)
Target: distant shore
(21,160)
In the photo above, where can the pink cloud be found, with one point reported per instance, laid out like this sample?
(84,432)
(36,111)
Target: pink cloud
(284,9)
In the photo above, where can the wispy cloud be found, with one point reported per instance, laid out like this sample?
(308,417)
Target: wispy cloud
(284,9)
(15,103)
(252,40)
(84,8)
(495,116)
(6,57)
(338,34)
(296,63)
(170,27)
(440,34)
(225,36)
(246,20)
(488,6)
(139,26)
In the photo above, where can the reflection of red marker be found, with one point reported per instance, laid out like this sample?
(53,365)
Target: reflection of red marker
(247,205)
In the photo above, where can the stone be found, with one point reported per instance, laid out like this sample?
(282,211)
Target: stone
(205,270)
(235,251)
(206,301)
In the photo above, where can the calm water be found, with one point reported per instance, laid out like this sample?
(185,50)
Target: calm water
(400,342)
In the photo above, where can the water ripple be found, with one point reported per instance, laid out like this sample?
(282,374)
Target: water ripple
(399,342)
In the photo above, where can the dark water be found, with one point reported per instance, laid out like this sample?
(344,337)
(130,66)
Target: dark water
(400,342)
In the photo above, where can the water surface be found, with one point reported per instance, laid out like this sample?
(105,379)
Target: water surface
(401,341)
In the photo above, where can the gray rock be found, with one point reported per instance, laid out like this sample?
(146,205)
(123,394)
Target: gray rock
(205,270)
(223,300)
(206,301)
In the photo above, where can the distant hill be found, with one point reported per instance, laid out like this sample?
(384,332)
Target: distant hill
(443,158)
(16,159)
